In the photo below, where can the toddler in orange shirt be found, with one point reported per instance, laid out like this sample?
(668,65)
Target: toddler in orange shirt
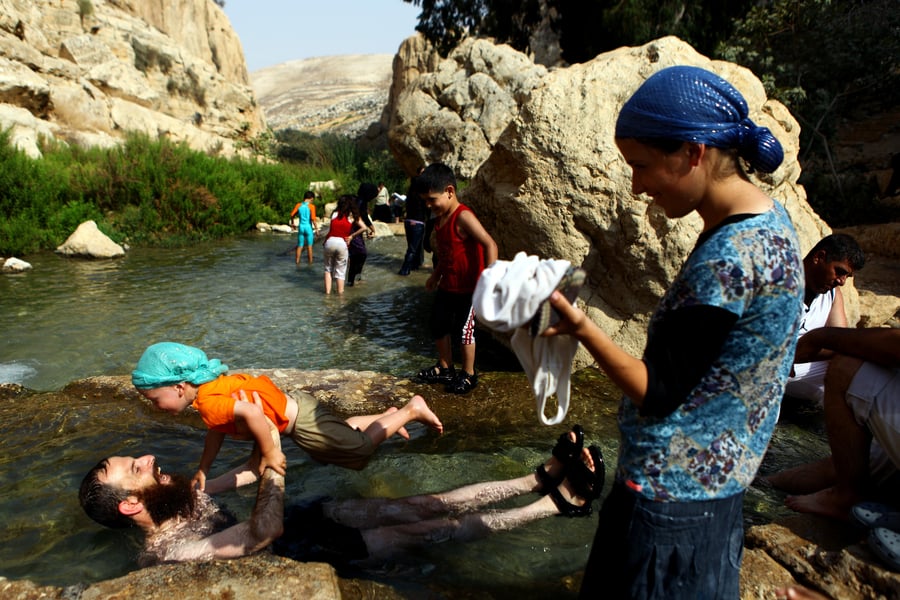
(174,376)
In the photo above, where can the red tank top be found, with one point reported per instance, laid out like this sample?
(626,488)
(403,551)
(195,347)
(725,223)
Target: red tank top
(461,260)
(340,227)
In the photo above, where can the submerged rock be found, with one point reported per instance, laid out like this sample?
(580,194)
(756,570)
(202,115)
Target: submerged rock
(820,553)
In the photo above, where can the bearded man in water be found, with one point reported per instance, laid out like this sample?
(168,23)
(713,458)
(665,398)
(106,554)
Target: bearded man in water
(183,524)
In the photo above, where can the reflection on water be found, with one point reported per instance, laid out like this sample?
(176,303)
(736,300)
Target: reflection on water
(241,300)
(245,302)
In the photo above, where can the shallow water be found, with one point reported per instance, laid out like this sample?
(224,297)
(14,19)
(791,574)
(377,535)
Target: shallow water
(244,301)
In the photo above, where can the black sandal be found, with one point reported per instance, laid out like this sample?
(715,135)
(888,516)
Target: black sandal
(586,484)
(567,509)
(463,384)
(437,374)
(565,451)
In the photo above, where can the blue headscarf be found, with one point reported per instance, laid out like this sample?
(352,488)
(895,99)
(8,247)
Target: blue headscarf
(168,363)
(694,105)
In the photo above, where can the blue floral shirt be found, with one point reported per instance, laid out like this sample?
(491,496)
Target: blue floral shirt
(711,445)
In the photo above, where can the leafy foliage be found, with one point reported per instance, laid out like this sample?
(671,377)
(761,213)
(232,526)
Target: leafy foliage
(145,191)
(338,157)
(585,27)
(827,60)
(162,193)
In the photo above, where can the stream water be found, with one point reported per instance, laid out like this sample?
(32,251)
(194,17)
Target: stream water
(244,301)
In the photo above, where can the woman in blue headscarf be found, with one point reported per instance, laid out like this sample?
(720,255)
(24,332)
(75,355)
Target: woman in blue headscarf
(700,405)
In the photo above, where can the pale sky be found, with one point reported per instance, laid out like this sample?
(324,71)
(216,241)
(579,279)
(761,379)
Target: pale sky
(276,31)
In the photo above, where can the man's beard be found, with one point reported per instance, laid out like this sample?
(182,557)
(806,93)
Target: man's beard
(167,501)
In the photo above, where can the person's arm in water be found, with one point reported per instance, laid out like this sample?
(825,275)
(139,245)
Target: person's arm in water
(211,447)
(261,529)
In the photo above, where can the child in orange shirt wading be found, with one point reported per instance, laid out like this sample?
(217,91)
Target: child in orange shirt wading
(174,376)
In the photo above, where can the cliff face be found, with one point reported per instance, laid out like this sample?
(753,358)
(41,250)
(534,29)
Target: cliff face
(342,95)
(89,71)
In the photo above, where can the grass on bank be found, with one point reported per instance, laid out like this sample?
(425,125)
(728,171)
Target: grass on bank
(156,192)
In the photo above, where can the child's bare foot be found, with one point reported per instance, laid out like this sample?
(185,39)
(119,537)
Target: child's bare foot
(420,412)
(831,502)
(402,432)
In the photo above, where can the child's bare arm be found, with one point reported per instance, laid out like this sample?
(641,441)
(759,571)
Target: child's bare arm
(247,472)
(211,448)
(255,422)
(469,226)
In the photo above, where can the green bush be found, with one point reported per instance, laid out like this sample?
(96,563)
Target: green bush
(143,192)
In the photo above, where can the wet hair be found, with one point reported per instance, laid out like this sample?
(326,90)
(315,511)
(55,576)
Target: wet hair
(309,194)
(100,501)
(840,246)
(688,104)
(435,178)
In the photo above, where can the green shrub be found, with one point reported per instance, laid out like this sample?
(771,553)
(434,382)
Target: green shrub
(163,193)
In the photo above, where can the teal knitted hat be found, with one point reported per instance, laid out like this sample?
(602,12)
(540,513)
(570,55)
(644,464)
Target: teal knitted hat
(168,363)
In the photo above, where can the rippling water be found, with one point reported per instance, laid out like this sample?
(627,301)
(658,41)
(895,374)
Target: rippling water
(244,301)
(241,300)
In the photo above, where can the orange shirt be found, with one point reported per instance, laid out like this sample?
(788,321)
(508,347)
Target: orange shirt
(216,406)
(312,211)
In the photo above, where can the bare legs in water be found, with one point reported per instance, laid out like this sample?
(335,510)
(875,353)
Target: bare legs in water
(389,526)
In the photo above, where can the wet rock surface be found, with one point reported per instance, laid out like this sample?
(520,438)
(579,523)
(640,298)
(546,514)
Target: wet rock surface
(819,553)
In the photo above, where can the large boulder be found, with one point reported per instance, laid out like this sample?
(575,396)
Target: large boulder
(555,185)
(89,242)
(454,110)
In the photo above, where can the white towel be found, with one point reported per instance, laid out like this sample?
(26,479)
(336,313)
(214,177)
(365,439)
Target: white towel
(506,298)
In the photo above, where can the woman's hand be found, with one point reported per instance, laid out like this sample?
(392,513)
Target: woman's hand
(572,319)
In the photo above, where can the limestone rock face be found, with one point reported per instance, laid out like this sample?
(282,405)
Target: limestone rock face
(88,241)
(555,185)
(455,110)
(167,69)
(342,95)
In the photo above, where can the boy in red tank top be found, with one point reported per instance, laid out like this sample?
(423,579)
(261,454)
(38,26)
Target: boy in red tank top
(464,248)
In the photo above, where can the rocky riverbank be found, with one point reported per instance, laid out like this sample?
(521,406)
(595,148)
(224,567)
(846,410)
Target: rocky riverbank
(816,552)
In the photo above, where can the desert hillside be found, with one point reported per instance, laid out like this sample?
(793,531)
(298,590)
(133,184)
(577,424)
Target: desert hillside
(338,94)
